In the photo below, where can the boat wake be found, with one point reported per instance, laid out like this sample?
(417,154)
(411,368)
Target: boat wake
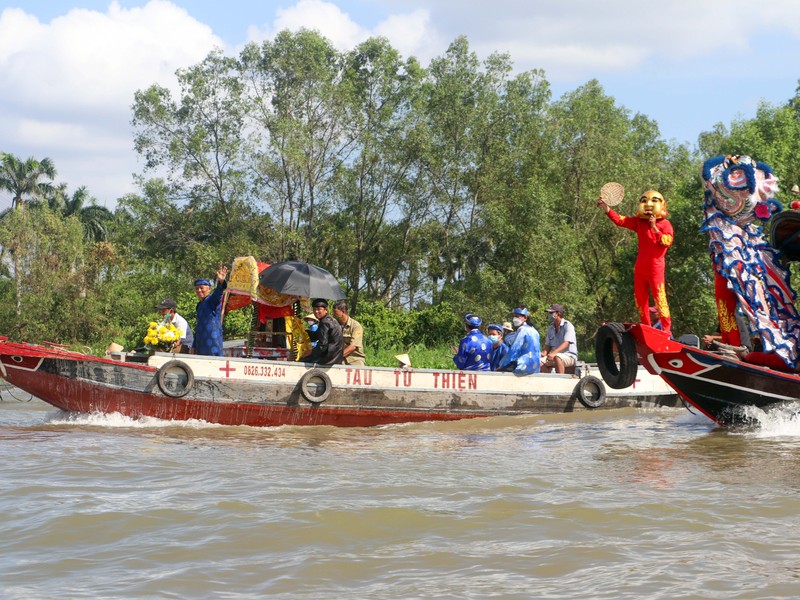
(61,417)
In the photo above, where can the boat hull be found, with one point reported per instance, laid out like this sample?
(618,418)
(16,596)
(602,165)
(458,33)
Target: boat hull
(722,388)
(231,391)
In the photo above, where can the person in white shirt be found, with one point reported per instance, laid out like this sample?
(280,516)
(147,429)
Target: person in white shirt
(560,346)
(168,309)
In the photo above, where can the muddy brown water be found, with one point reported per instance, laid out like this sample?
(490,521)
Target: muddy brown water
(612,504)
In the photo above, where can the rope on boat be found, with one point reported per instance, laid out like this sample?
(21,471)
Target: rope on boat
(8,388)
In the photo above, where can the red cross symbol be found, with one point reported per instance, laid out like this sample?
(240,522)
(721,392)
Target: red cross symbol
(227,368)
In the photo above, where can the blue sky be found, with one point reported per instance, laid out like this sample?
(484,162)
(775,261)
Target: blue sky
(68,69)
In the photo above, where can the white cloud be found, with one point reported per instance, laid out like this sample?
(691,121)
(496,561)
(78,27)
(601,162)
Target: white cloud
(69,84)
(577,38)
(411,33)
(319,15)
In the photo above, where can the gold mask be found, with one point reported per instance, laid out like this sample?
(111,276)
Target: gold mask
(652,203)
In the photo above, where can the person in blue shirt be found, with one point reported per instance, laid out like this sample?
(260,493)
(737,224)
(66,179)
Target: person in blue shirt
(499,347)
(655,318)
(208,330)
(312,327)
(475,349)
(524,354)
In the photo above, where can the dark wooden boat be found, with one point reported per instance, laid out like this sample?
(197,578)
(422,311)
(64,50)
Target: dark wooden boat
(261,392)
(721,387)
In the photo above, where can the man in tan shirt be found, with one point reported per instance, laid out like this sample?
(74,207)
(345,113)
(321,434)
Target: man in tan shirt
(353,334)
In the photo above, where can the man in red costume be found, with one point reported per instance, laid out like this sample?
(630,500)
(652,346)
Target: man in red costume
(655,237)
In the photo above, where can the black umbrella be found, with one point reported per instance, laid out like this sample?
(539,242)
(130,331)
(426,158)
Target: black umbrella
(296,278)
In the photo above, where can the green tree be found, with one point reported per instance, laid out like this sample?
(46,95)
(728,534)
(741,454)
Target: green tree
(375,189)
(94,218)
(300,135)
(48,251)
(773,137)
(24,179)
(199,140)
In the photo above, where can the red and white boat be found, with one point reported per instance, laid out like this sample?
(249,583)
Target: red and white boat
(721,387)
(261,392)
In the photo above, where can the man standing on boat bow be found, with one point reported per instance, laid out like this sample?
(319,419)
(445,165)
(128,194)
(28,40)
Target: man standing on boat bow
(208,335)
(655,235)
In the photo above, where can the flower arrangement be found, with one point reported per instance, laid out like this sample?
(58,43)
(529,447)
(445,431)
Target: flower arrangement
(162,336)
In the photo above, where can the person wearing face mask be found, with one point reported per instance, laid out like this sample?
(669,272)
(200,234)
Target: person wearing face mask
(499,348)
(523,356)
(655,236)
(169,314)
(560,346)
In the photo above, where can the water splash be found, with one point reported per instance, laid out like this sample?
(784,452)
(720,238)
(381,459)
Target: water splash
(119,420)
(778,421)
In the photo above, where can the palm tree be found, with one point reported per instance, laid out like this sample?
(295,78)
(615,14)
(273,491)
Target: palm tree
(23,178)
(93,217)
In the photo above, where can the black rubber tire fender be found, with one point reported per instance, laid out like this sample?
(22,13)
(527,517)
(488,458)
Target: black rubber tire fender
(622,375)
(315,386)
(171,391)
(591,391)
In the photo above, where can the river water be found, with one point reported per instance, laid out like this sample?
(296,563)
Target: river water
(610,504)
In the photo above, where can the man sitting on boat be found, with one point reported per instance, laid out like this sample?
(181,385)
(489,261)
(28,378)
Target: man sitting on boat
(475,350)
(330,342)
(561,344)
(499,347)
(523,356)
(353,334)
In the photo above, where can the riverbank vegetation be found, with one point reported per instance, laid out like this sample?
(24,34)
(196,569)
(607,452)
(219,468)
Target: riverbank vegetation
(429,192)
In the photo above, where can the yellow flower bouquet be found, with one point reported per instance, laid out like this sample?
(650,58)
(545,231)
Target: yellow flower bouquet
(162,336)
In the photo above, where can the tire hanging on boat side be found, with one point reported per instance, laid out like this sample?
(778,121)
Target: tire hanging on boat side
(611,338)
(591,392)
(169,387)
(315,386)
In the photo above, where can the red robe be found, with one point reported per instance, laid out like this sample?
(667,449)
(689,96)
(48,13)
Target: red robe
(648,273)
